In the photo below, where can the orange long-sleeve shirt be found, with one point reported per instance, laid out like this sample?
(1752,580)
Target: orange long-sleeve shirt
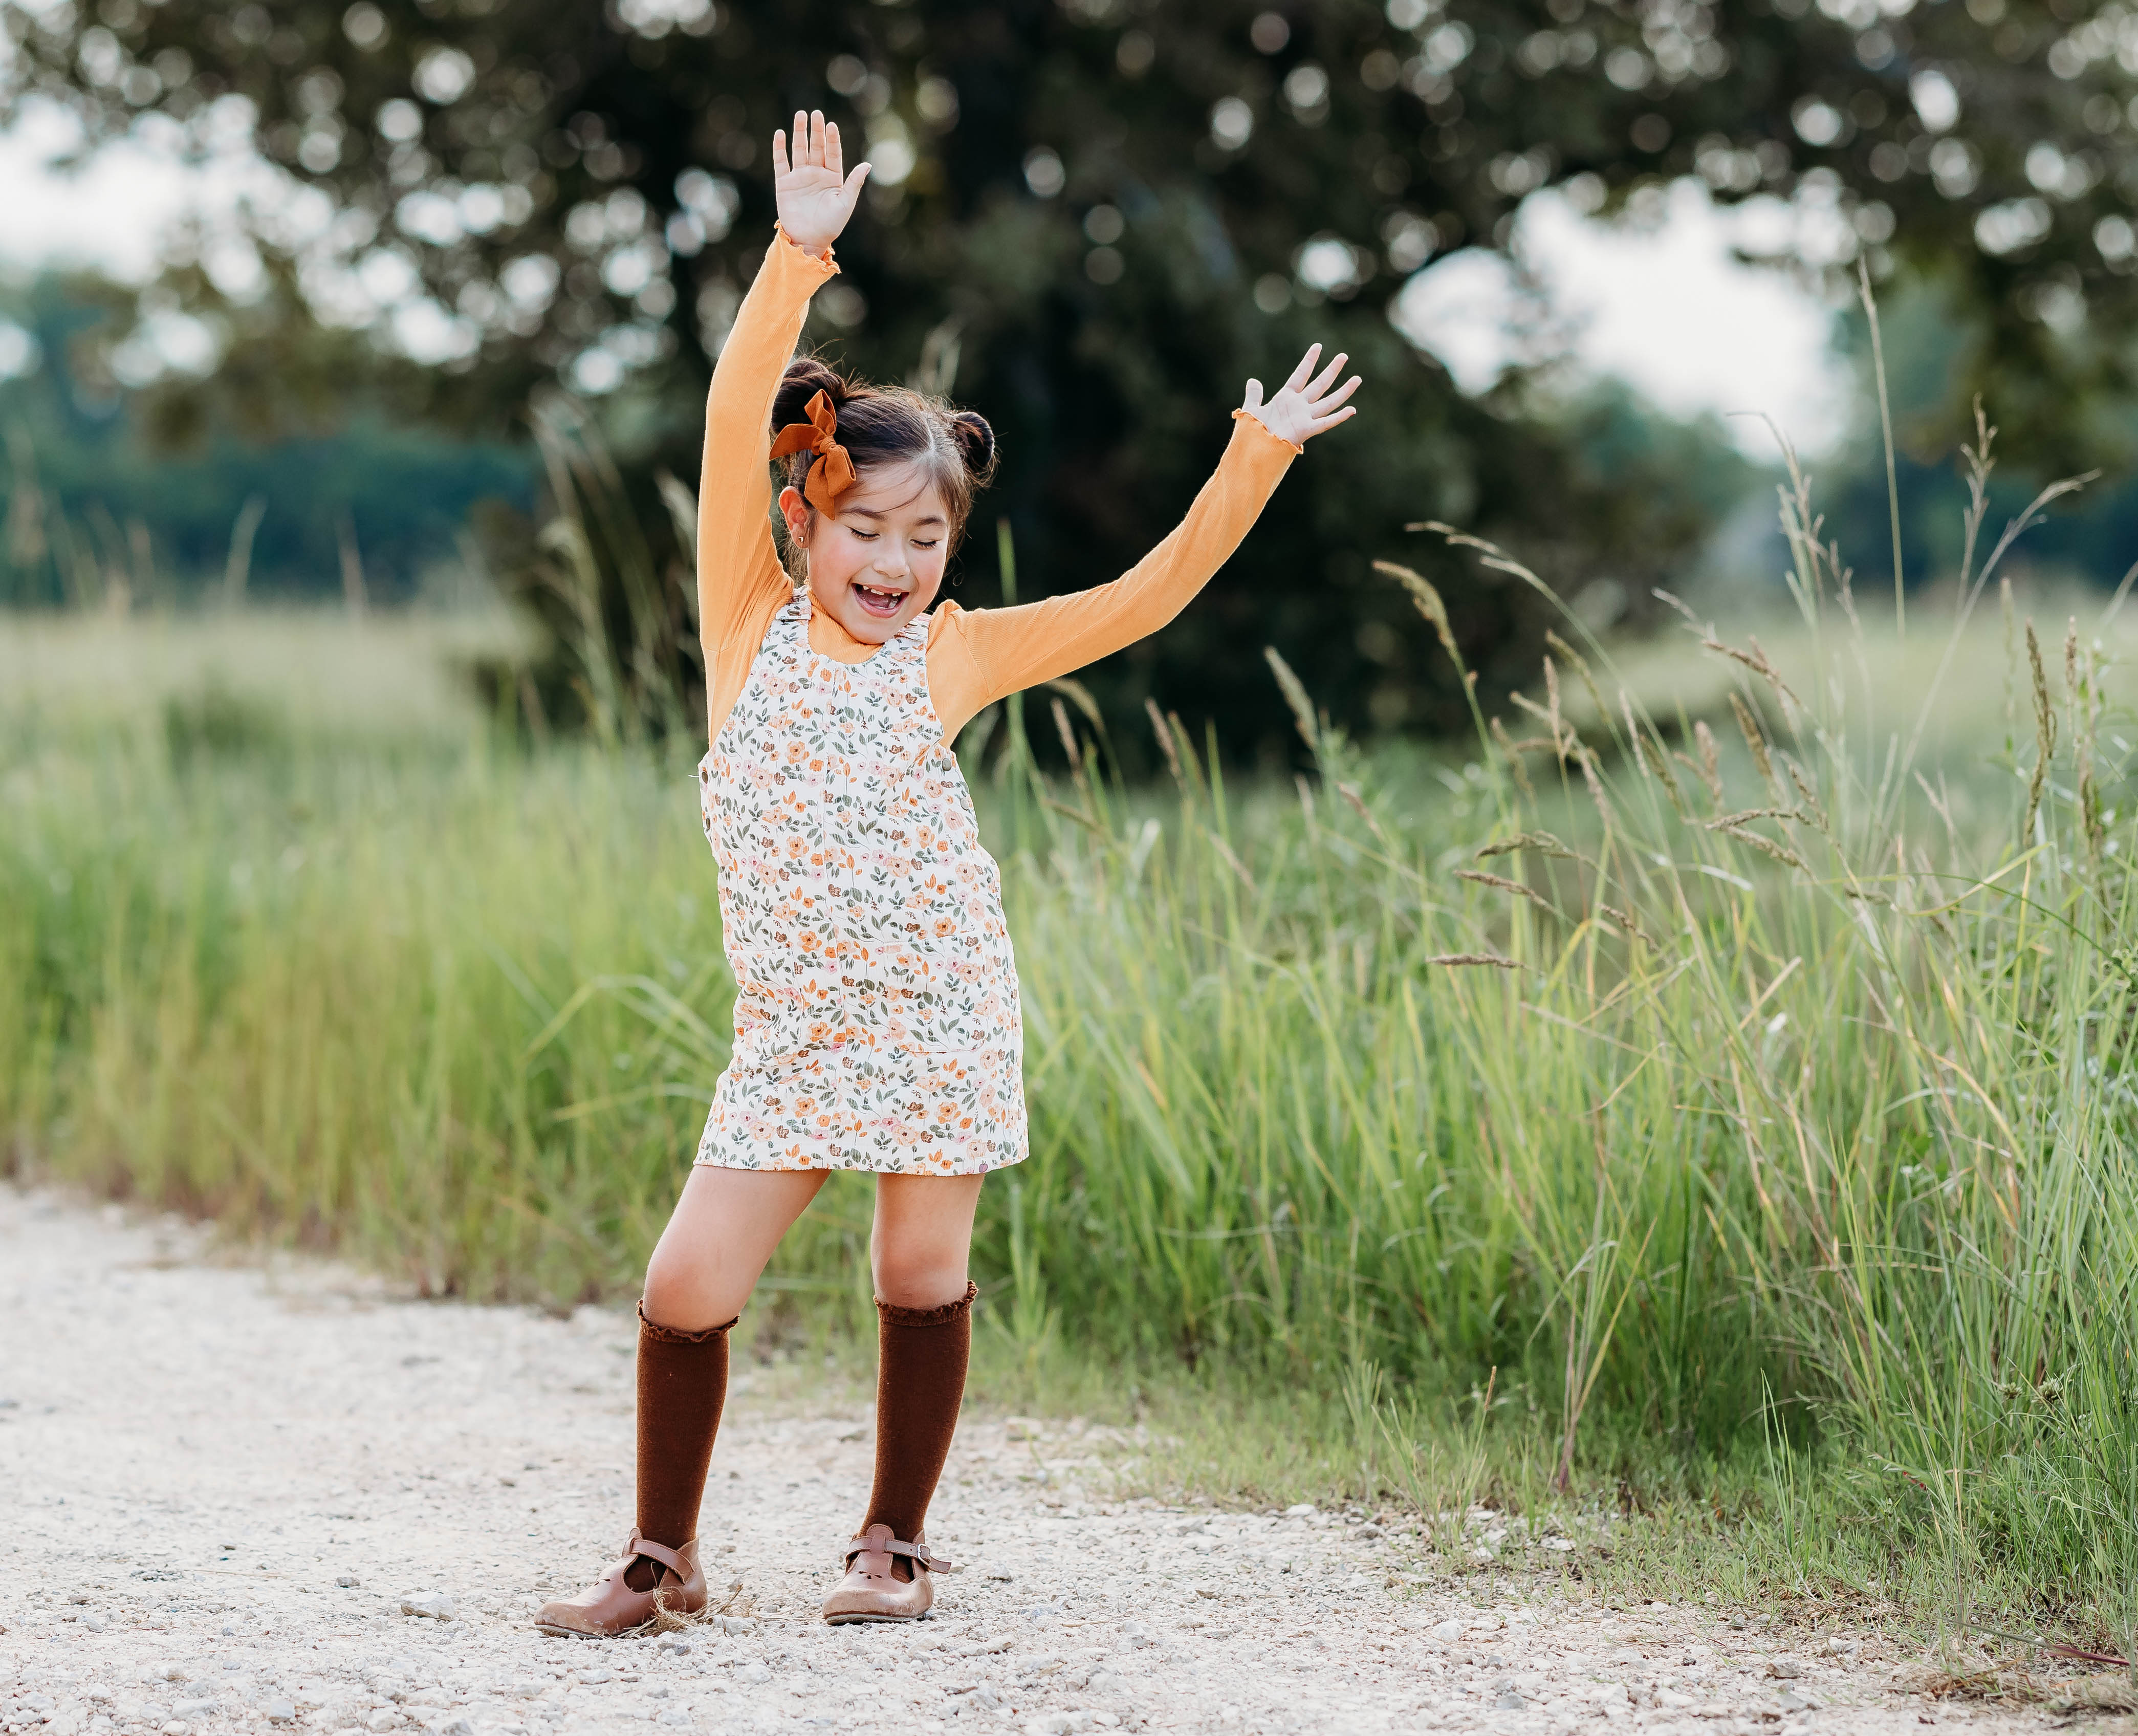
(975,657)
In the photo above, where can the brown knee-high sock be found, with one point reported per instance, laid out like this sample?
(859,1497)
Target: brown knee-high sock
(682,1384)
(919,1383)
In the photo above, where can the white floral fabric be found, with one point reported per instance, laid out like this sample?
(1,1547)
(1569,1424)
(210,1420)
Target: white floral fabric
(877,1025)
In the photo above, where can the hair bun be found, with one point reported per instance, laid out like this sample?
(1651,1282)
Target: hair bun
(976,441)
(805,376)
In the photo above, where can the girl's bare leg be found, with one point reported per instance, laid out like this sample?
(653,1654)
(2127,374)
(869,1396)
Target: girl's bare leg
(722,1232)
(922,1239)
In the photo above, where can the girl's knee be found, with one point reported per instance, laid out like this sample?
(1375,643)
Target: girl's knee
(919,1284)
(682,1297)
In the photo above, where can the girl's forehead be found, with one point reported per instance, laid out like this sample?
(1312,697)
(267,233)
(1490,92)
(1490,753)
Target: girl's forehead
(904,491)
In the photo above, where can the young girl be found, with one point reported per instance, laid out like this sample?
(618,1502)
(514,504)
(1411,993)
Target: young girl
(876,1018)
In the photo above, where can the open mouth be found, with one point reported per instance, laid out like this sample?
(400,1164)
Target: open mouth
(881,604)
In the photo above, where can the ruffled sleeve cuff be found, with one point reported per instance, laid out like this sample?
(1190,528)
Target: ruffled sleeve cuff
(790,257)
(1262,428)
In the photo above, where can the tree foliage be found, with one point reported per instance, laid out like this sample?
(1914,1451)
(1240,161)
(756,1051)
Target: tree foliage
(1097,216)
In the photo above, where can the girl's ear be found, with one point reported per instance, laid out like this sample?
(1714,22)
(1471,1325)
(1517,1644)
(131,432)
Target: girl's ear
(795,512)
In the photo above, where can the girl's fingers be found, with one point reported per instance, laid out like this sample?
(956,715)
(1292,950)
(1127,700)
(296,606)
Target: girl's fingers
(853,188)
(1321,380)
(1331,400)
(1254,395)
(816,138)
(1305,367)
(834,158)
(1323,422)
(801,139)
(779,163)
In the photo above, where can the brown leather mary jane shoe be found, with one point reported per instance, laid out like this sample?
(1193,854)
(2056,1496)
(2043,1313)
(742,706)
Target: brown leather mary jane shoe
(609,1607)
(873,1592)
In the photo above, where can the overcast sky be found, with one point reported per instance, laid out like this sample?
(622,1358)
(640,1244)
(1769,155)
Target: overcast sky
(1664,306)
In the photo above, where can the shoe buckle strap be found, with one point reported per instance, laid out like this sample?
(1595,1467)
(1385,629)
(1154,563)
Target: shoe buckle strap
(658,1553)
(912,1551)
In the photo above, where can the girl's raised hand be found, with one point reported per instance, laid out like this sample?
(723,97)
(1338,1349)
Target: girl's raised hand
(1306,406)
(815,194)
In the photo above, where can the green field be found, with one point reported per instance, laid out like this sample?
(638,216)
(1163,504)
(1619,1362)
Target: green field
(1723,1108)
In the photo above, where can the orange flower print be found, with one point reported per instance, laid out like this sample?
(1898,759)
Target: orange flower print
(876,1020)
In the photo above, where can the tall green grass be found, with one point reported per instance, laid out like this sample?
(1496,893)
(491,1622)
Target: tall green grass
(1632,1091)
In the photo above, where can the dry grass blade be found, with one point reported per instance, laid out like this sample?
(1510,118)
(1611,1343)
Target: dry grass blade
(1500,884)
(1547,715)
(1812,811)
(1457,960)
(1658,762)
(1579,750)
(2045,735)
(1580,664)
(1164,741)
(1493,556)
(1543,842)
(1710,760)
(1781,851)
(1513,750)
(1427,601)
(1755,738)
(1756,661)
(1352,794)
(1295,696)
(1232,862)
(1079,696)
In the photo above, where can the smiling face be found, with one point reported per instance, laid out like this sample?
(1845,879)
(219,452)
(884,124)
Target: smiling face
(877,562)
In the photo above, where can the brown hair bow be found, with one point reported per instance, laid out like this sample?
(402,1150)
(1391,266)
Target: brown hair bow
(834,474)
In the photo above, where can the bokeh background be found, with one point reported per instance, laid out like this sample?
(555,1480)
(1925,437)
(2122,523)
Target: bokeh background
(290,287)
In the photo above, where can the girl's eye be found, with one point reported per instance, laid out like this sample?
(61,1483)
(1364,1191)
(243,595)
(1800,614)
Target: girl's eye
(929,543)
(865,535)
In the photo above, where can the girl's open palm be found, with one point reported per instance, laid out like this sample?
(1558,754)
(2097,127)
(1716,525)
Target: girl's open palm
(815,194)
(1306,406)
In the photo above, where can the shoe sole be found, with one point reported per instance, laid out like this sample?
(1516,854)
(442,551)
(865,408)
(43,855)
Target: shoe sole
(842,1620)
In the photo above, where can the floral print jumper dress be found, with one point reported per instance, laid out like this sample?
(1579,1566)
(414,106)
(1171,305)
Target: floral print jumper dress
(877,1025)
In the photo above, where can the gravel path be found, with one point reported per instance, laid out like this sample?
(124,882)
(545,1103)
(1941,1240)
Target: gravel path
(223,1489)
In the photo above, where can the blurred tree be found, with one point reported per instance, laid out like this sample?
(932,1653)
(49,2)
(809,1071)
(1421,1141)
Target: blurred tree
(1105,214)
(89,501)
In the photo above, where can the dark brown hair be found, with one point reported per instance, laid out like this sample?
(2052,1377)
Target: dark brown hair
(881,426)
